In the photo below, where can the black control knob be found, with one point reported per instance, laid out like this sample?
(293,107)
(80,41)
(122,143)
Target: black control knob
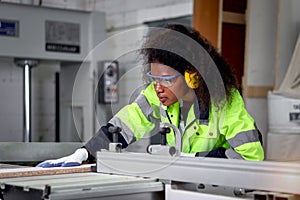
(114,130)
(110,71)
(163,135)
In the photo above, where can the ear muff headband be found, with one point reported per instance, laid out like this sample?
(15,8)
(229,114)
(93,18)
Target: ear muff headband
(192,79)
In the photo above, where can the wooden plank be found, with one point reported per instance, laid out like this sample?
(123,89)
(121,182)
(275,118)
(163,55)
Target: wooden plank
(206,19)
(257,91)
(233,18)
(245,77)
(37,171)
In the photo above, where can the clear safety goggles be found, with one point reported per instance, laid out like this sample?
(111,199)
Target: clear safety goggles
(166,81)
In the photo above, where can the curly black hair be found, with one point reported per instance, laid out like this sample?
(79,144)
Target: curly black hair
(182,48)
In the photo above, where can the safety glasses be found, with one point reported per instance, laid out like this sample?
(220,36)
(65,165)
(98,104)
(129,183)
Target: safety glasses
(166,81)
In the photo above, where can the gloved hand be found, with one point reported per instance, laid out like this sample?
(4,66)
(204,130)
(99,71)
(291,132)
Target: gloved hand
(74,159)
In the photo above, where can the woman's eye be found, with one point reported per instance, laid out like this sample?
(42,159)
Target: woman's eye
(167,82)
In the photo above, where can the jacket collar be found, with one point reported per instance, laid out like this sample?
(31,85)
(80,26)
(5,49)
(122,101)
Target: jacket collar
(202,115)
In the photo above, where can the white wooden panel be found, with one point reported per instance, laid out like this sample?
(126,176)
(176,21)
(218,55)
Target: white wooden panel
(261,42)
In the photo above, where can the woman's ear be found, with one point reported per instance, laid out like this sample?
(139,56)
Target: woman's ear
(192,79)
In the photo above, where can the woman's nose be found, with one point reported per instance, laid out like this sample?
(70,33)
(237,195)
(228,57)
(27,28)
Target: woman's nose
(158,87)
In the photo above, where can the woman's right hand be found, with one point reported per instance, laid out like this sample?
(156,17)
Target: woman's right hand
(72,160)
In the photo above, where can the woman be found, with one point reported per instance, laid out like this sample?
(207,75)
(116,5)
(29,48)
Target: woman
(192,87)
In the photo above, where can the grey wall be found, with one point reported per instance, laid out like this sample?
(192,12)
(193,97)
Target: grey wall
(288,31)
(260,57)
(11,120)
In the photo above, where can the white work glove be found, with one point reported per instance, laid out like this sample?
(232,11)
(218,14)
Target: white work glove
(74,159)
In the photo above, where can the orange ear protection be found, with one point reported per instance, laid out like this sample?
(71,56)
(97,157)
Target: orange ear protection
(192,79)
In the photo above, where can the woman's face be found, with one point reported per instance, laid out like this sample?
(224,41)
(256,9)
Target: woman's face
(178,90)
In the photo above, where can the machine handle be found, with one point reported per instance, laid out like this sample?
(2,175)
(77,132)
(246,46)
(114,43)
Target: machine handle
(163,135)
(114,130)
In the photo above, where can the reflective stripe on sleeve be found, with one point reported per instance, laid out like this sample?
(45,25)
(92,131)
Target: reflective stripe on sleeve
(232,154)
(127,134)
(144,105)
(243,137)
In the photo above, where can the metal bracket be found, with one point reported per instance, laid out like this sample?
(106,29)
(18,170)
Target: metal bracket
(115,146)
(161,150)
(46,192)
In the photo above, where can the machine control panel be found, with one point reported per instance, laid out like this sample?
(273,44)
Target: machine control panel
(108,91)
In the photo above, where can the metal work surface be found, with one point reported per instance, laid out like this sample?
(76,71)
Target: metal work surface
(266,175)
(81,186)
(35,151)
(7,166)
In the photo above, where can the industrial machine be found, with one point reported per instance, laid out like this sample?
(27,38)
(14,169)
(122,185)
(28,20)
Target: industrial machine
(204,178)
(61,40)
(158,175)
(108,92)
(208,178)
(45,54)
(87,185)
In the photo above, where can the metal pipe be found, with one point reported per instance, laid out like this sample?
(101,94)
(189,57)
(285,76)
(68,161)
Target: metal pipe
(26,65)
(57,107)
(27,103)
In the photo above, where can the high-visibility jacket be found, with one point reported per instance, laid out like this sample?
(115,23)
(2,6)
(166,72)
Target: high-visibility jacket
(230,127)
